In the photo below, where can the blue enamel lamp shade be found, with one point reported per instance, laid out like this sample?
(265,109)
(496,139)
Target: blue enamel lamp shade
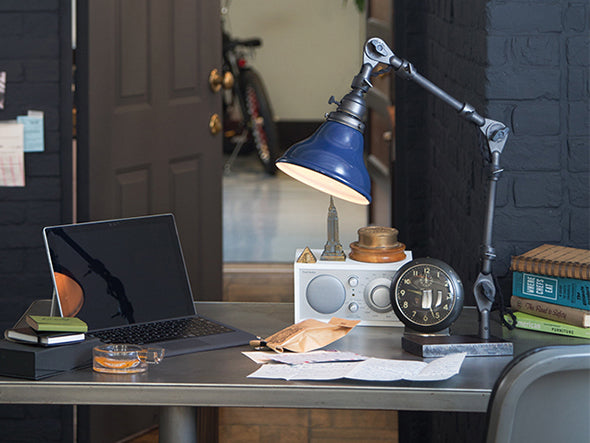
(331,160)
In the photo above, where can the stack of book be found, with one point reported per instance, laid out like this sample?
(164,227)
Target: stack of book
(551,290)
(47,330)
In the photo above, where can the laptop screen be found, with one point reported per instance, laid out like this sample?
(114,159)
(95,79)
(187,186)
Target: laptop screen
(117,272)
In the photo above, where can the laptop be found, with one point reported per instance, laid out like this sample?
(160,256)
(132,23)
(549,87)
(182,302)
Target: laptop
(127,278)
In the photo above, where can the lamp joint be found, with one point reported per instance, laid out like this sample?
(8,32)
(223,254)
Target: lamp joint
(333,100)
(488,252)
(406,70)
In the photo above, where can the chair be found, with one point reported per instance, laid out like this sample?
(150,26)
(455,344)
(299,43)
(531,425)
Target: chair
(542,396)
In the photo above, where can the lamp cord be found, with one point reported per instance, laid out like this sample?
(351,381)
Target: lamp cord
(502,308)
(381,71)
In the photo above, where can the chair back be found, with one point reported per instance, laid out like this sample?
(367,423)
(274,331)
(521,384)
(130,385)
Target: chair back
(542,396)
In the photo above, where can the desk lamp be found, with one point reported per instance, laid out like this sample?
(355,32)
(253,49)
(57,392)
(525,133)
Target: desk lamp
(331,160)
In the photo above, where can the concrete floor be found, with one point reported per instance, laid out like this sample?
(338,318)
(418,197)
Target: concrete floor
(266,218)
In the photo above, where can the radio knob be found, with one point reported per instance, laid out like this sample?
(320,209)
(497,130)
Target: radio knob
(353,307)
(353,282)
(325,294)
(380,297)
(377,296)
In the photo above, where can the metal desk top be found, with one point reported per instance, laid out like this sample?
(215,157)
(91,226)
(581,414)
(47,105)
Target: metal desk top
(219,378)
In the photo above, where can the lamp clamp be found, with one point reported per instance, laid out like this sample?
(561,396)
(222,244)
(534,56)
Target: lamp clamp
(496,135)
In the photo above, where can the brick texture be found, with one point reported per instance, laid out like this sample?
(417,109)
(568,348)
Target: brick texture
(520,62)
(33,56)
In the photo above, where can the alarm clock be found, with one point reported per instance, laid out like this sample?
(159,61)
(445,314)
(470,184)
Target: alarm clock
(427,295)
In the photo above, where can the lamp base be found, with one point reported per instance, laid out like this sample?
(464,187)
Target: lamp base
(438,346)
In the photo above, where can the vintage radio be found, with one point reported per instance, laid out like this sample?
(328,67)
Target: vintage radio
(346,289)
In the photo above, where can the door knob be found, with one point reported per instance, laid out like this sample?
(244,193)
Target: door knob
(217,80)
(215,125)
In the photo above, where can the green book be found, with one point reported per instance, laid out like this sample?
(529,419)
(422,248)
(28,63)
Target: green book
(56,324)
(534,323)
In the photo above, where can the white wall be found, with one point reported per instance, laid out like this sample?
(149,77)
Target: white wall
(311,50)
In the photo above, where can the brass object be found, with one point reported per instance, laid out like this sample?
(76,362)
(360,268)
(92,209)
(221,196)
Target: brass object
(306,256)
(218,80)
(215,125)
(333,249)
(377,244)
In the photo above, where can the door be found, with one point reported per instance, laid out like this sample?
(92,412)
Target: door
(143,109)
(381,121)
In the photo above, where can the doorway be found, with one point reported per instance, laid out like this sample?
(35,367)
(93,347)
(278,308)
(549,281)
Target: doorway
(266,218)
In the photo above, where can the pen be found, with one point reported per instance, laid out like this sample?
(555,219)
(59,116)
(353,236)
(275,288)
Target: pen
(259,344)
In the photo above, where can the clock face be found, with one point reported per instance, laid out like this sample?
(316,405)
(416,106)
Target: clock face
(427,295)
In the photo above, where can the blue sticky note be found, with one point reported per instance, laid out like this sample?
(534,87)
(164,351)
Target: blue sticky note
(33,133)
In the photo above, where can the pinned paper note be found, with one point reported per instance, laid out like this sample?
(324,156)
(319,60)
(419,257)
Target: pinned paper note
(2,88)
(12,158)
(33,131)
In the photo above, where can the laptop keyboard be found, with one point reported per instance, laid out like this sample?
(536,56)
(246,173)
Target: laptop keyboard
(164,330)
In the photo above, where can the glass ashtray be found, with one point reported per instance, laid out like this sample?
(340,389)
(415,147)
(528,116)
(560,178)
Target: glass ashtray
(124,359)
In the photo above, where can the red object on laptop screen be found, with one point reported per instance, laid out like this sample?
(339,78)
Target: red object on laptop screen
(71,296)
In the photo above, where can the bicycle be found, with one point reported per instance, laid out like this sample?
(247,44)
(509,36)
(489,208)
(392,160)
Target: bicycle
(248,116)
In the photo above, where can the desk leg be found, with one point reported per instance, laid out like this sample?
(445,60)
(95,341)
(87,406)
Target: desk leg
(178,424)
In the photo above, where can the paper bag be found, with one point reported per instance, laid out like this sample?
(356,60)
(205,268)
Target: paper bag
(310,334)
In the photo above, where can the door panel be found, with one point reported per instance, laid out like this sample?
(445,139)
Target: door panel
(133,192)
(144,108)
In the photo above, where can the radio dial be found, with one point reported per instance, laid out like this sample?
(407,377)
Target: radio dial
(380,296)
(377,295)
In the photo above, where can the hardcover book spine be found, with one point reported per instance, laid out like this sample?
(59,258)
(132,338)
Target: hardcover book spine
(533,323)
(564,314)
(562,291)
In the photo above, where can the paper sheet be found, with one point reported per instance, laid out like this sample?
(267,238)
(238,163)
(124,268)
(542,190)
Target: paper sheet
(33,131)
(303,357)
(2,88)
(12,157)
(372,369)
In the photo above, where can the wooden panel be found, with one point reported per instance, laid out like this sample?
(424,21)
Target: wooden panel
(133,188)
(184,51)
(306,425)
(381,10)
(258,282)
(185,204)
(133,46)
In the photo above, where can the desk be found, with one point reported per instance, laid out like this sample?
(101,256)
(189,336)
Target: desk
(218,378)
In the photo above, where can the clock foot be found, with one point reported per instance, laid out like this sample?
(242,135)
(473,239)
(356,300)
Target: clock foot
(437,346)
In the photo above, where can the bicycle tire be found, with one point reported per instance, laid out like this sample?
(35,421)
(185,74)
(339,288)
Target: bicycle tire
(260,120)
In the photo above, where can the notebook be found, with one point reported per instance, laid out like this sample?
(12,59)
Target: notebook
(128,276)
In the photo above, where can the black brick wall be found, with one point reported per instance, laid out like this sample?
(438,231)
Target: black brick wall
(524,63)
(35,52)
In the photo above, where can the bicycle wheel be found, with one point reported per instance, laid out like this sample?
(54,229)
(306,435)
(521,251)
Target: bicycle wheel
(261,122)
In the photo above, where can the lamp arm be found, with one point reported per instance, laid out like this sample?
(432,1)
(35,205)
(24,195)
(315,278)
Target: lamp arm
(376,51)
(495,134)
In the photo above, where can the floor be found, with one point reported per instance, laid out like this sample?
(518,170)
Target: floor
(266,218)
